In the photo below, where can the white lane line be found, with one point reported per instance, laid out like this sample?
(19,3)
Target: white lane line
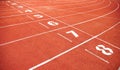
(29,22)
(81,6)
(69,50)
(92,35)
(99,8)
(71,5)
(47,15)
(109,43)
(90,52)
(93,9)
(6,43)
(30,17)
(79,2)
(16,9)
(13,15)
(64,37)
(55,1)
(96,38)
(86,5)
(44,25)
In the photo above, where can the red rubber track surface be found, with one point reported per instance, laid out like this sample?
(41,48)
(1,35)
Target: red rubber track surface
(85,35)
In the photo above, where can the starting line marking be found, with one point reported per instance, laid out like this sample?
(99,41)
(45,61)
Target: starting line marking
(17,9)
(44,25)
(64,37)
(97,56)
(29,17)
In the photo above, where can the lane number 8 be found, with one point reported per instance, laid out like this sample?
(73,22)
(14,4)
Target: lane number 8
(104,50)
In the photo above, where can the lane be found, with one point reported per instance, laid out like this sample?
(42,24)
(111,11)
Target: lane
(87,5)
(35,50)
(70,5)
(53,30)
(112,36)
(73,48)
(97,26)
(22,9)
(109,8)
(14,20)
(53,3)
(54,12)
(22,31)
(75,14)
(81,59)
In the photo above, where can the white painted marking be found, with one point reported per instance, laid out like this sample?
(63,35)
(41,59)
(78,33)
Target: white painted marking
(21,23)
(73,3)
(38,16)
(44,25)
(17,9)
(14,15)
(58,16)
(97,56)
(59,28)
(64,37)
(89,5)
(103,49)
(20,6)
(73,32)
(20,14)
(97,38)
(57,56)
(30,17)
(109,43)
(99,8)
(53,23)
(28,11)
(13,3)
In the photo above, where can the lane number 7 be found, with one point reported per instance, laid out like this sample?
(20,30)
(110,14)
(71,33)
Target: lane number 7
(74,33)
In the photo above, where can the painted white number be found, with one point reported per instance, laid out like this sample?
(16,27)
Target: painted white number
(28,11)
(14,4)
(72,32)
(53,23)
(20,6)
(38,16)
(104,50)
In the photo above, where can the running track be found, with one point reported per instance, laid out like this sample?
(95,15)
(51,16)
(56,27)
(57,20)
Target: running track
(60,35)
